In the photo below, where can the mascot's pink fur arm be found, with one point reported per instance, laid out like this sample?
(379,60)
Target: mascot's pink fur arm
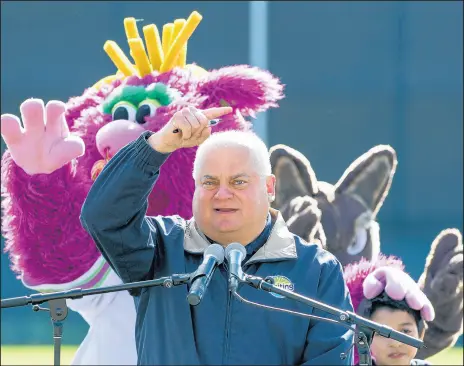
(42,222)
(44,237)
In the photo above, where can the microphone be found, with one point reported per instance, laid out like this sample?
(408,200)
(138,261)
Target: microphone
(212,257)
(235,254)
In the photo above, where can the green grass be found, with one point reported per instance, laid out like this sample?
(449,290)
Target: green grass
(43,355)
(35,355)
(452,356)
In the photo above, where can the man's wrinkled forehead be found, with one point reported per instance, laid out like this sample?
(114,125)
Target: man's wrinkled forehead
(227,160)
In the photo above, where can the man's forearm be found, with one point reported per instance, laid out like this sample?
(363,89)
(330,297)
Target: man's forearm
(114,210)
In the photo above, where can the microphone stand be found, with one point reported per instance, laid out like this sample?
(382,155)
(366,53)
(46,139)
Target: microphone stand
(364,328)
(59,310)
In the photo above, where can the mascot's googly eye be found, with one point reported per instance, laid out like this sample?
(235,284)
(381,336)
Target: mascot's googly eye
(359,242)
(362,225)
(124,110)
(147,108)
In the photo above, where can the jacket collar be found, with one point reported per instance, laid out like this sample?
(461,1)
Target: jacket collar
(280,245)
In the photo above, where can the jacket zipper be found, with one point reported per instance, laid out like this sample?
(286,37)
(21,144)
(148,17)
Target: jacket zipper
(225,354)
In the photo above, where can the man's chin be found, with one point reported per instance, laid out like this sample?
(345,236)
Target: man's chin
(225,227)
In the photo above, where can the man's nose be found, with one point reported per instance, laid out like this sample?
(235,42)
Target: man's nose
(223,192)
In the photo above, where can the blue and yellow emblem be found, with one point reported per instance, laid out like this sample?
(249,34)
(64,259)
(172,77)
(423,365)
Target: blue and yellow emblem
(283,283)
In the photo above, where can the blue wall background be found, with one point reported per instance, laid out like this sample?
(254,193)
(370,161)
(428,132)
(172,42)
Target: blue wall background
(357,74)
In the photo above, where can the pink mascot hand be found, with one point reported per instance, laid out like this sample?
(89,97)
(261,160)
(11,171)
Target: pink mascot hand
(398,285)
(44,144)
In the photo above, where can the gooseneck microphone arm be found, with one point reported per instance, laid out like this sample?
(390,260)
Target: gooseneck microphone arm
(78,293)
(364,329)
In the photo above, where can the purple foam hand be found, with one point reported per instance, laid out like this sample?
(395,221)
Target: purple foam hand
(398,285)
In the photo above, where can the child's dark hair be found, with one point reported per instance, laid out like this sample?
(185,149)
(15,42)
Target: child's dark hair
(368,307)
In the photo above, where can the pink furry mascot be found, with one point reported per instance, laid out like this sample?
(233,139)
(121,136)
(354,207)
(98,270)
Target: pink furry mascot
(52,159)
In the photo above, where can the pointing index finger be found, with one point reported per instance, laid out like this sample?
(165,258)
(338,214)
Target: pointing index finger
(217,112)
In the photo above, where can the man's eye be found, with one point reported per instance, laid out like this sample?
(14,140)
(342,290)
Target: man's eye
(406,331)
(239,182)
(208,183)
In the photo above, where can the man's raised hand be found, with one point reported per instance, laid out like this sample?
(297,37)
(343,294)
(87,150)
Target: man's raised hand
(193,129)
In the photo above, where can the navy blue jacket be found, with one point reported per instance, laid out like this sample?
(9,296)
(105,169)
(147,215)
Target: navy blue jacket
(220,330)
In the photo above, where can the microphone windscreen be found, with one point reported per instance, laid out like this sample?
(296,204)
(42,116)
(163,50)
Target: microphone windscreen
(217,251)
(235,246)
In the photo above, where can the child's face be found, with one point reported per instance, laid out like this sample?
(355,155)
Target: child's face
(387,351)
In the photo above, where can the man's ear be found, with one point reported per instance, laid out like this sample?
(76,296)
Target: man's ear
(270,186)
(294,175)
(370,176)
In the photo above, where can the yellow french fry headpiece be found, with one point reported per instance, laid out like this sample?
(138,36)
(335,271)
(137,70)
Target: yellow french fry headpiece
(160,55)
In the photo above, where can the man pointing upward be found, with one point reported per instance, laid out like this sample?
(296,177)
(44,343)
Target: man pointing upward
(233,191)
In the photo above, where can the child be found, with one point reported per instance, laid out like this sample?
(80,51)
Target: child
(384,310)
(400,317)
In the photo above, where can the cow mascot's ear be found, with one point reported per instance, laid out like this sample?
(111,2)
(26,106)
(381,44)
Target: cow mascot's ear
(296,184)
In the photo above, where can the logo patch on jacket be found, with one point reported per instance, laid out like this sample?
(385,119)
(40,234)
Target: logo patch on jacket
(283,283)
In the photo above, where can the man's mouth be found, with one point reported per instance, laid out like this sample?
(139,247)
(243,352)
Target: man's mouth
(225,210)
(396,355)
